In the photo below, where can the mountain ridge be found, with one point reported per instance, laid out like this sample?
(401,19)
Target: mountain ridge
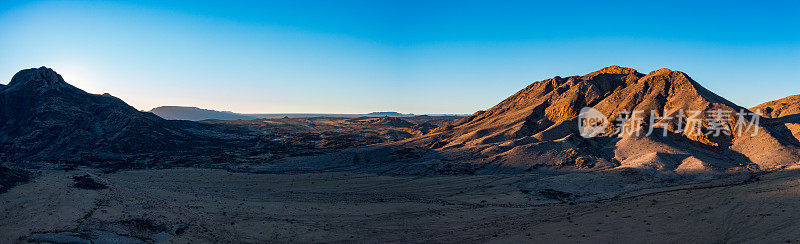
(44,118)
(537,127)
(534,129)
(779,108)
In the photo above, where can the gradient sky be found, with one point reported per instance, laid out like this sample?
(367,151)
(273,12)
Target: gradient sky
(406,56)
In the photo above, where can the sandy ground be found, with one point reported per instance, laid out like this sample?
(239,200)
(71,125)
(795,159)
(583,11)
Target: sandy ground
(204,205)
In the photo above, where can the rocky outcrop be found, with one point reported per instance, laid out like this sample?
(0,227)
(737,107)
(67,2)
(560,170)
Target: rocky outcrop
(537,127)
(780,108)
(783,116)
(42,118)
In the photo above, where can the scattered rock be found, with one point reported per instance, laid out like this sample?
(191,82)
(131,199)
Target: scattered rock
(87,182)
(556,194)
(12,177)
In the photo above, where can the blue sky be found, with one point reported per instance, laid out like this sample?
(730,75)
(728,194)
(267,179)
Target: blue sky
(406,56)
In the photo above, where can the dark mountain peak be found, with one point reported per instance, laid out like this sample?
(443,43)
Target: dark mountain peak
(37,78)
(44,118)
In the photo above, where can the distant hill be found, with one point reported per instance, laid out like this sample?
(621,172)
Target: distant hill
(388,114)
(195,114)
(300,115)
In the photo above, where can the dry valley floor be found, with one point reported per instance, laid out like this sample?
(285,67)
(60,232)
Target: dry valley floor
(189,205)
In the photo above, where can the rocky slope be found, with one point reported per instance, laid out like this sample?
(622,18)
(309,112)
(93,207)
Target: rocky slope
(537,127)
(783,116)
(42,118)
(779,108)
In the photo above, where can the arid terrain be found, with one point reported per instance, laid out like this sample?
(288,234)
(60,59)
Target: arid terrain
(86,168)
(188,205)
(331,132)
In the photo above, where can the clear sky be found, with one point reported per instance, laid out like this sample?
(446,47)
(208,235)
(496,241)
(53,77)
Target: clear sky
(406,56)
